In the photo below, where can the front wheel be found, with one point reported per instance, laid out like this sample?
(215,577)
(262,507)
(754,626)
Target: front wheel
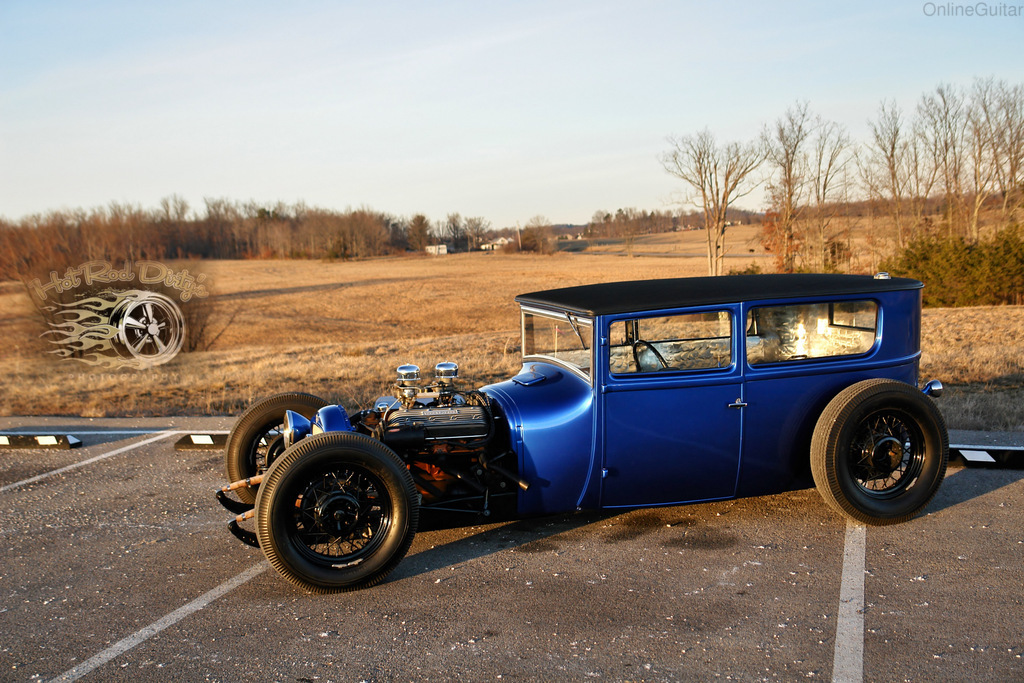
(879,452)
(256,440)
(336,512)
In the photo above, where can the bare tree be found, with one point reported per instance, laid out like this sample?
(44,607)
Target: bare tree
(476,227)
(1008,144)
(174,209)
(370,232)
(898,170)
(943,120)
(717,175)
(536,236)
(785,147)
(223,217)
(982,150)
(882,161)
(454,230)
(628,223)
(600,224)
(920,174)
(830,156)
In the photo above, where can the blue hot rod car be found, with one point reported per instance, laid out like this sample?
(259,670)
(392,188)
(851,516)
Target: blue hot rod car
(656,392)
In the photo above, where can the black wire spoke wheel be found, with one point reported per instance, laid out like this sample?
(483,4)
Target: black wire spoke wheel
(336,512)
(268,444)
(887,454)
(255,440)
(342,516)
(272,446)
(879,452)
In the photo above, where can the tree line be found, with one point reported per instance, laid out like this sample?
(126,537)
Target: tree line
(222,229)
(944,169)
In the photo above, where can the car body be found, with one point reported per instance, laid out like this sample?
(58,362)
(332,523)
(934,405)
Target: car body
(631,394)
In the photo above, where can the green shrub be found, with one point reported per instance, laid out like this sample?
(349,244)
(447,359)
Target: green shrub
(960,273)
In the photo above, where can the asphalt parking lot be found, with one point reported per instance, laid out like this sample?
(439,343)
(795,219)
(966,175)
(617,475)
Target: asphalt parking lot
(117,565)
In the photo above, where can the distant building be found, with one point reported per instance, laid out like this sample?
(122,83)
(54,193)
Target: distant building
(495,245)
(437,249)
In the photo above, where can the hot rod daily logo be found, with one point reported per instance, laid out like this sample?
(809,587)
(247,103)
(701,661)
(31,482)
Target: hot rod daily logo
(130,323)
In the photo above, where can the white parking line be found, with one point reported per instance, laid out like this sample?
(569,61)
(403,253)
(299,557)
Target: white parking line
(848,660)
(83,463)
(156,627)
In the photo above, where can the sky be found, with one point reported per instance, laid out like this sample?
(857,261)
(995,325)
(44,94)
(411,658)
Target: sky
(504,110)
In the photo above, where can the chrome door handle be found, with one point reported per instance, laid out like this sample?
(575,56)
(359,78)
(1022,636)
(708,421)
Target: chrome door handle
(738,404)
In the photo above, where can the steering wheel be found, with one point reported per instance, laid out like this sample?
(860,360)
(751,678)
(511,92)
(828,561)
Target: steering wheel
(657,354)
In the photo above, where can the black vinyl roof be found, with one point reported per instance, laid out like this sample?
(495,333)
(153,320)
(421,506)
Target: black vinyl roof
(648,295)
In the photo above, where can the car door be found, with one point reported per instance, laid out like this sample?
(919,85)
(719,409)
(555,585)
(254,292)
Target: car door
(671,407)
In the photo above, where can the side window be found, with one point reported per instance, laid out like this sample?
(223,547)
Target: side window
(693,341)
(776,334)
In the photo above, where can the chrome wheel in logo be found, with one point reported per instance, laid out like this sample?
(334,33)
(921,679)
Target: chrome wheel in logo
(150,328)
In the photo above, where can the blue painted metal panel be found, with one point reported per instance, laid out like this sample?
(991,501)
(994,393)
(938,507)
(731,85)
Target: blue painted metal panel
(670,436)
(785,399)
(782,411)
(331,419)
(671,444)
(552,431)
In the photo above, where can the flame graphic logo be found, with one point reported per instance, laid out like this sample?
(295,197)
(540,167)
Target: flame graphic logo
(132,328)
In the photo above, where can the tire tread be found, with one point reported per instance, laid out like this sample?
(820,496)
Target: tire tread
(828,434)
(254,416)
(304,449)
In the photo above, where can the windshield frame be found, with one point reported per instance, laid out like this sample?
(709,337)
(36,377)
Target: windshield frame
(577,323)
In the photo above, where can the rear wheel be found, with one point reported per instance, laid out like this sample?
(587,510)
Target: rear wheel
(255,440)
(879,452)
(336,512)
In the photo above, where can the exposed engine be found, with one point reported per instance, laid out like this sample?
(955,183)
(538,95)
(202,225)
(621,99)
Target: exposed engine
(454,443)
(451,440)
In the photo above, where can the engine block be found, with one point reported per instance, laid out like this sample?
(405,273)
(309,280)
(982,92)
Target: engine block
(439,423)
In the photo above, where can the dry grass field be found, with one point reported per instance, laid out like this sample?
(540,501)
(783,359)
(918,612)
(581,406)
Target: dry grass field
(339,329)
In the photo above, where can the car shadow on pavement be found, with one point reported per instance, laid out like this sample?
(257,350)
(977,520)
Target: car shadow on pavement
(496,537)
(967,483)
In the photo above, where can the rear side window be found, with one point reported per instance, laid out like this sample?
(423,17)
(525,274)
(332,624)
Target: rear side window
(776,334)
(693,341)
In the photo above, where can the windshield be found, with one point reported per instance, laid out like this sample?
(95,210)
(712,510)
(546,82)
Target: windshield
(559,336)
